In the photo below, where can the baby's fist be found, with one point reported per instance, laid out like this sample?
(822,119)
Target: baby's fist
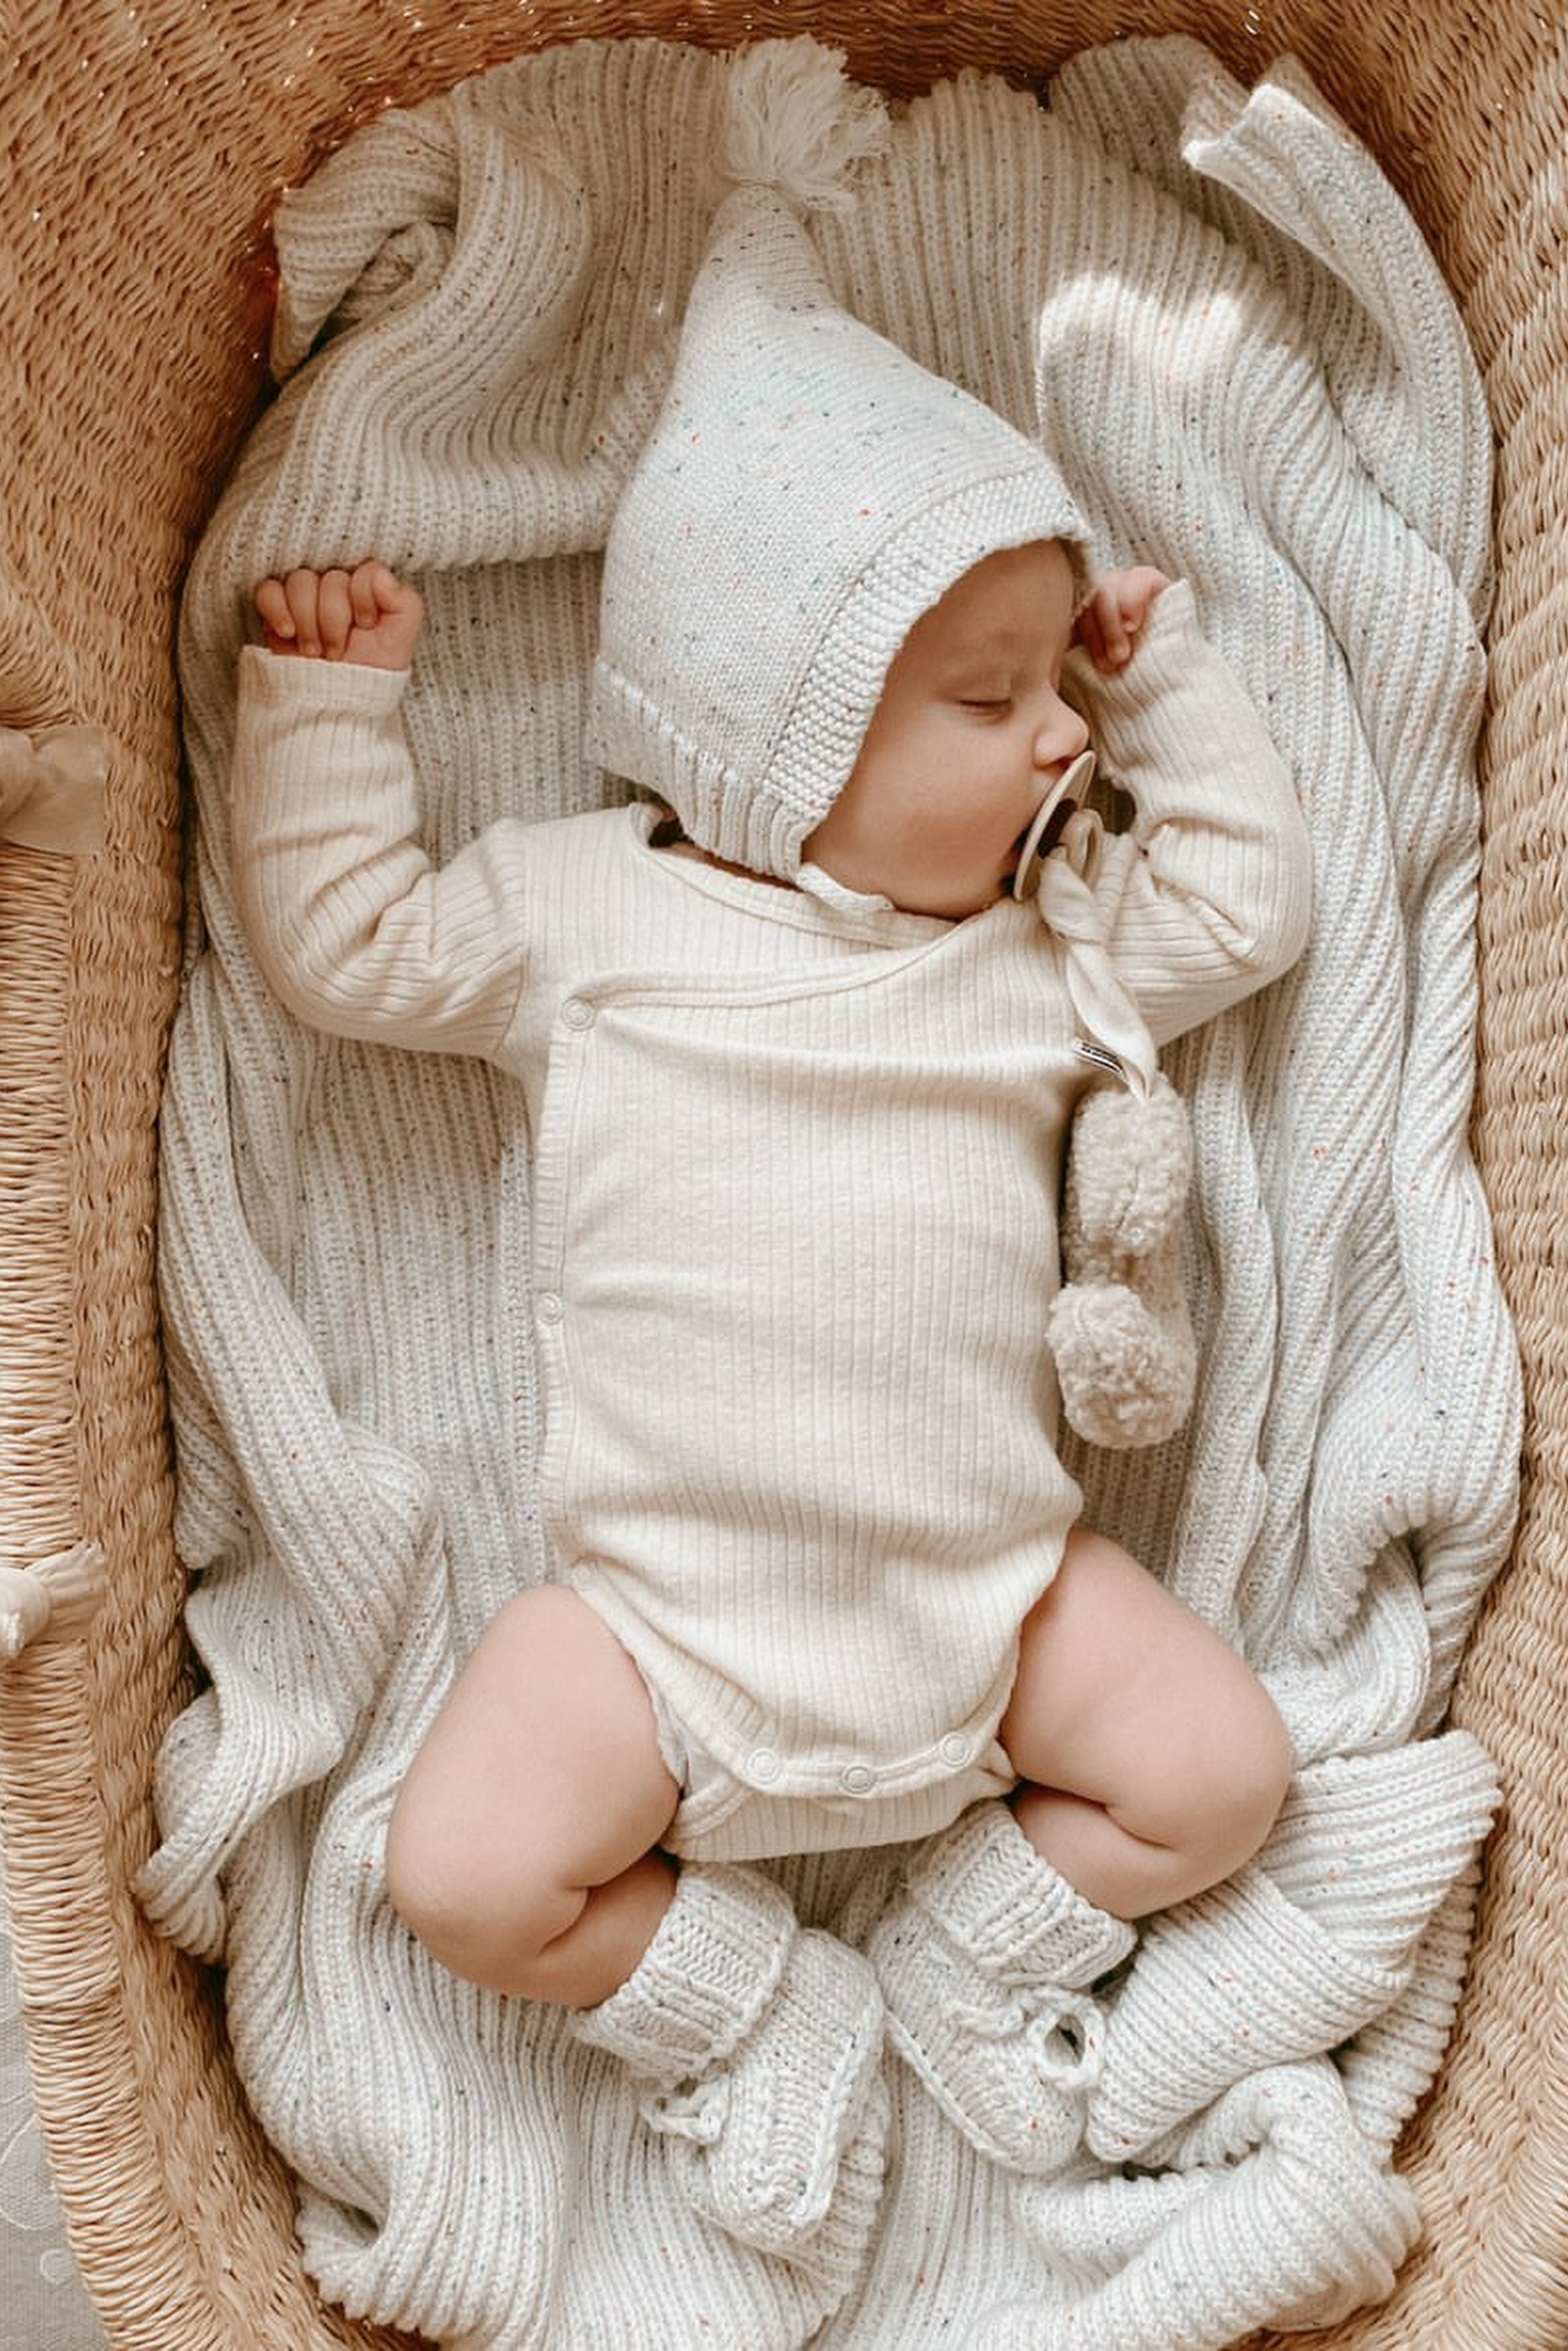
(1110,624)
(366,615)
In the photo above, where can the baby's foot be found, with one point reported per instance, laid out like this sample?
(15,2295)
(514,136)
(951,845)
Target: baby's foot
(985,1968)
(764,2043)
(774,2123)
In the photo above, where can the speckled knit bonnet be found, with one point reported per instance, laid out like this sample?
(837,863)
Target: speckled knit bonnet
(808,492)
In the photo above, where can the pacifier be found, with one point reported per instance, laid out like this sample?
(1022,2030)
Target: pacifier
(1067,786)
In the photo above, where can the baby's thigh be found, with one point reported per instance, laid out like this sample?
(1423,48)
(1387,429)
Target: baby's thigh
(545,1755)
(1125,1697)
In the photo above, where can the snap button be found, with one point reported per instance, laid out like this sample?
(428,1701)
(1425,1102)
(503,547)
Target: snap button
(576,1013)
(548,1306)
(859,1779)
(955,1749)
(765,1765)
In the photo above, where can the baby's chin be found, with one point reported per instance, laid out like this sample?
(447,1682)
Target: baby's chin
(956,906)
(960,904)
(941,897)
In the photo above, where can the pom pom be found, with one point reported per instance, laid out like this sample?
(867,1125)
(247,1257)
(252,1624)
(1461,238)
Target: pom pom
(797,123)
(1126,1371)
(1132,1166)
(1125,1355)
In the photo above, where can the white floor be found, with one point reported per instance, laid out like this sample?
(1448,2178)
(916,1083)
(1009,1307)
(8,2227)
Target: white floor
(44,2305)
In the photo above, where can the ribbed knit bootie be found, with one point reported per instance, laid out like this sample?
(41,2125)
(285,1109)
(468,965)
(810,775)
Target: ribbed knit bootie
(761,2044)
(985,1968)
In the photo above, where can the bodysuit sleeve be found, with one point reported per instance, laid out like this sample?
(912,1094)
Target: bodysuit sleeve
(1207,896)
(353,926)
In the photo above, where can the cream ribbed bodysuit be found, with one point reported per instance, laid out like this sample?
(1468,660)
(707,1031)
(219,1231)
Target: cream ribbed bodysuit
(796,1170)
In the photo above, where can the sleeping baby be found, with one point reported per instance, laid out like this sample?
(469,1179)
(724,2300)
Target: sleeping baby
(799,1033)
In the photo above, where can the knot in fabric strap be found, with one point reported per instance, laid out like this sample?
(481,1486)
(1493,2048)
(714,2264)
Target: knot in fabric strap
(698,2114)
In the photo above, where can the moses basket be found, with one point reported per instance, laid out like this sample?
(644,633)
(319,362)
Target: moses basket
(146,147)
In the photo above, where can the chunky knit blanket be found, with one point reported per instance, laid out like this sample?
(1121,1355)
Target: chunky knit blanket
(1213,310)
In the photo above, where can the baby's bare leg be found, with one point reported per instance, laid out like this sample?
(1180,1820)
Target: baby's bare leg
(1155,1759)
(520,1849)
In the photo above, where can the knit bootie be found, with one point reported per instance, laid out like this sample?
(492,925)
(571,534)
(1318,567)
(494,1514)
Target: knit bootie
(761,2044)
(985,1968)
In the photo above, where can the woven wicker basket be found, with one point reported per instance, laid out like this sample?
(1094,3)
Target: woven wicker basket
(145,146)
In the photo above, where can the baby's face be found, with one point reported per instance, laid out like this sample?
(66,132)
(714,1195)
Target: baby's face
(969,736)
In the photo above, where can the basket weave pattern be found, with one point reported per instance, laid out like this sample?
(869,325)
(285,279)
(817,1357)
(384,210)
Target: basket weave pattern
(145,148)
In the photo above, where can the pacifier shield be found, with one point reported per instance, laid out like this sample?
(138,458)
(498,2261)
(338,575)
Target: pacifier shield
(1069,786)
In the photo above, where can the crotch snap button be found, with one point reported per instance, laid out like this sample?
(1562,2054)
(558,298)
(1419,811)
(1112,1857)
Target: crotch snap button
(765,1766)
(859,1779)
(576,1013)
(955,1749)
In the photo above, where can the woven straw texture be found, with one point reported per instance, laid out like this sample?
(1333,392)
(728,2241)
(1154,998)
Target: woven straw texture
(145,146)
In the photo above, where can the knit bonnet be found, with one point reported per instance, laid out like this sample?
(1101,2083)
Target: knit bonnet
(808,492)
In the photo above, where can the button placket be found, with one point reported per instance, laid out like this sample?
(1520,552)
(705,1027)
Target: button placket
(576,1015)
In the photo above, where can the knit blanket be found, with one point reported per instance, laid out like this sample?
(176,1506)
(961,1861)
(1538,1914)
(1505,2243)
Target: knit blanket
(1213,310)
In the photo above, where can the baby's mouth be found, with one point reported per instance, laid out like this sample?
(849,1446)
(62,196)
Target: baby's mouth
(1040,836)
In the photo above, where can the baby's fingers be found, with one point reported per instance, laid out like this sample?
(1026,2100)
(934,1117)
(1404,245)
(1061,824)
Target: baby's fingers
(369,587)
(1116,616)
(1092,631)
(272,604)
(303,589)
(334,613)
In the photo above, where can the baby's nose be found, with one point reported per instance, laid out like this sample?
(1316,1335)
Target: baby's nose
(1062,736)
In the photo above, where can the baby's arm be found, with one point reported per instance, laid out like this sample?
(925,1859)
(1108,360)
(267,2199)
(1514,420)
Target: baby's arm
(1209,893)
(354,928)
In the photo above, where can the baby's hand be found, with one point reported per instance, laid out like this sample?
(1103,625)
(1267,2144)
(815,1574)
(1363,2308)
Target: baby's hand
(1110,624)
(366,615)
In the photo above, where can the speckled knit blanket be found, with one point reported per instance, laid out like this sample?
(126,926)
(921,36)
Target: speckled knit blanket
(1214,312)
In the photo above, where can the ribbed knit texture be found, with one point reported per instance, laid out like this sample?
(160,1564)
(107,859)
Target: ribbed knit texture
(1224,327)
(704,1980)
(1010,1913)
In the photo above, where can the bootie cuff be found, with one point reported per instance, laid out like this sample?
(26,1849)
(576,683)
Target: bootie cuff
(1002,1903)
(704,1979)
